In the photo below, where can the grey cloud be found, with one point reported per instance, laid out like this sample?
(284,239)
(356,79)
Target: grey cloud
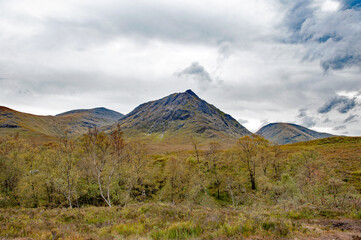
(243,121)
(302,113)
(306,120)
(142,21)
(152,21)
(341,103)
(196,72)
(264,122)
(327,120)
(24,92)
(351,119)
(225,50)
(342,127)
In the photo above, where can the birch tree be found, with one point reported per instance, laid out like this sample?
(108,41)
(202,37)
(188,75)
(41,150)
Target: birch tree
(105,154)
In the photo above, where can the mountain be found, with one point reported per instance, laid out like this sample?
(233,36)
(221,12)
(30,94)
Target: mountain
(284,133)
(180,116)
(96,116)
(75,122)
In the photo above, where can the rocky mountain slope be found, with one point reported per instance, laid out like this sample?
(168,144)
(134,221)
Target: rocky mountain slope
(181,115)
(284,133)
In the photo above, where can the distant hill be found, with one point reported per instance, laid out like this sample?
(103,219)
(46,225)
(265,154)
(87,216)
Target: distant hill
(98,116)
(284,133)
(75,122)
(179,116)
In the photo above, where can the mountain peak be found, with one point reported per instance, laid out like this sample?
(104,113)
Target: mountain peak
(190,92)
(181,114)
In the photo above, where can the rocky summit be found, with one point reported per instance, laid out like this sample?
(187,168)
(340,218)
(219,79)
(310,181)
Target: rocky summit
(179,115)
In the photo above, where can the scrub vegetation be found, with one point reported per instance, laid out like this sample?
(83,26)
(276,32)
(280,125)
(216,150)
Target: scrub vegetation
(99,186)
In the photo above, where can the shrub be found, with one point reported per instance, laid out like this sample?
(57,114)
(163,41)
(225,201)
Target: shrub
(183,230)
(268,226)
(127,229)
(230,230)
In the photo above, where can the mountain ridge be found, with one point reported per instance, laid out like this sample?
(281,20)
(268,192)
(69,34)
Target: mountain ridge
(99,110)
(76,122)
(179,116)
(285,133)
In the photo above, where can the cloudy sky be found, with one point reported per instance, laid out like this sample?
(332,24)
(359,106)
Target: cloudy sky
(260,61)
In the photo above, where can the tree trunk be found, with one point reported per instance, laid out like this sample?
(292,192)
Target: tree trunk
(253,181)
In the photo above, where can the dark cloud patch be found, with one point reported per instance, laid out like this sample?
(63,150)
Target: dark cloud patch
(340,62)
(341,103)
(352,118)
(299,12)
(342,127)
(306,120)
(197,72)
(302,113)
(347,105)
(327,37)
(332,37)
